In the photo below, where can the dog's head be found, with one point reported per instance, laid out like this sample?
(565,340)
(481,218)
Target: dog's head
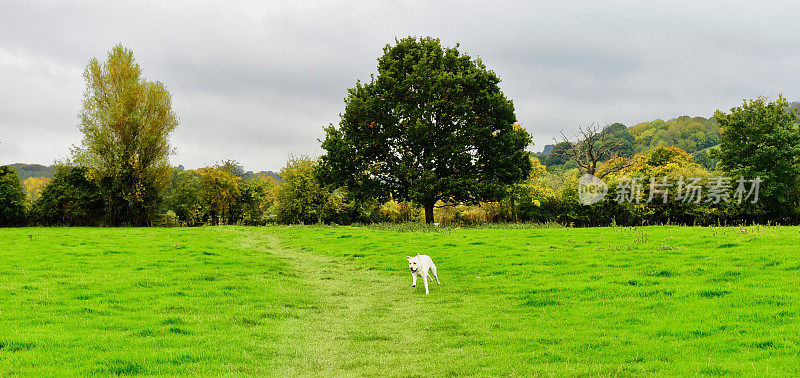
(413,263)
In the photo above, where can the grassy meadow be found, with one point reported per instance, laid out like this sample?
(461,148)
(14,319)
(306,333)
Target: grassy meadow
(338,300)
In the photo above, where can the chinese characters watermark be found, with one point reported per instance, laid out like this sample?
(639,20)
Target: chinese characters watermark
(713,190)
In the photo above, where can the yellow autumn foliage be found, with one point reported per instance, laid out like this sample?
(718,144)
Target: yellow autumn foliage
(34,186)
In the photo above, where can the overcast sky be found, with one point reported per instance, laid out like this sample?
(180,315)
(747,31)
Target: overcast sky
(257,81)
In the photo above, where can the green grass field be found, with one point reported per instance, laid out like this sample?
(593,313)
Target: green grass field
(338,300)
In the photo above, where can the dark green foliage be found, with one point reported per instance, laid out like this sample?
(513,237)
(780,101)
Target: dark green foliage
(557,155)
(432,125)
(614,140)
(569,211)
(184,196)
(237,203)
(70,200)
(706,158)
(128,200)
(614,128)
(13,202)
(762,139)
(621,139)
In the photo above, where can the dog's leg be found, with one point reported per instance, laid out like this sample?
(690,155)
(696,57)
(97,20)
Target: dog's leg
(413,280)
(433,268)
(425,279)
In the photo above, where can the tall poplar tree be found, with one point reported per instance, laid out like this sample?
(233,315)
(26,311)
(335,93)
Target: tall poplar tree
(126,123)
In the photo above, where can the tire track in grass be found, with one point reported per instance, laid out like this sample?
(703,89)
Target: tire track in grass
(360,323)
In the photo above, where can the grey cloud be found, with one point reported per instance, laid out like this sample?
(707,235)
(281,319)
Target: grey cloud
(256,81)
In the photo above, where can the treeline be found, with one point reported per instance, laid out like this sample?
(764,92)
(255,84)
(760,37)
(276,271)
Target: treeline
(222,194)
(452,152)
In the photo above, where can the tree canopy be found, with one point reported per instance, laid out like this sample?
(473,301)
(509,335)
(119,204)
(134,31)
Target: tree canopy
(663,161)
(620,140)
(433,125)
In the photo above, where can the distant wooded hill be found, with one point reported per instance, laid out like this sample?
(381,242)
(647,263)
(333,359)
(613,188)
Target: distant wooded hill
(32,170)
(694,135)
(691,134)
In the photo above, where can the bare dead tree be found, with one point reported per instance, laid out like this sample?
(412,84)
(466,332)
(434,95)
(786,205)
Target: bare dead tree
(590,147)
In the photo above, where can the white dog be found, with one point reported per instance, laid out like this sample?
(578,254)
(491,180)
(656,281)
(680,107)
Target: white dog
(420,265)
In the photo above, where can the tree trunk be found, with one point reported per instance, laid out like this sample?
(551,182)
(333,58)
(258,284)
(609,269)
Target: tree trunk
(429,212)
(513,209)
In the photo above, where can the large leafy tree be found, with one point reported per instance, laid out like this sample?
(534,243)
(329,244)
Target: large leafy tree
(126,123)
(13,201)
(433,125)
(762,139)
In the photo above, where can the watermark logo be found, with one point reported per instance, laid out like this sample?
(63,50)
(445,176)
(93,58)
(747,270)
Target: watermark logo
(591,189)
(713,190)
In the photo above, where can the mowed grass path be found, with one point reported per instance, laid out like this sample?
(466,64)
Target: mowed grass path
(332,300)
